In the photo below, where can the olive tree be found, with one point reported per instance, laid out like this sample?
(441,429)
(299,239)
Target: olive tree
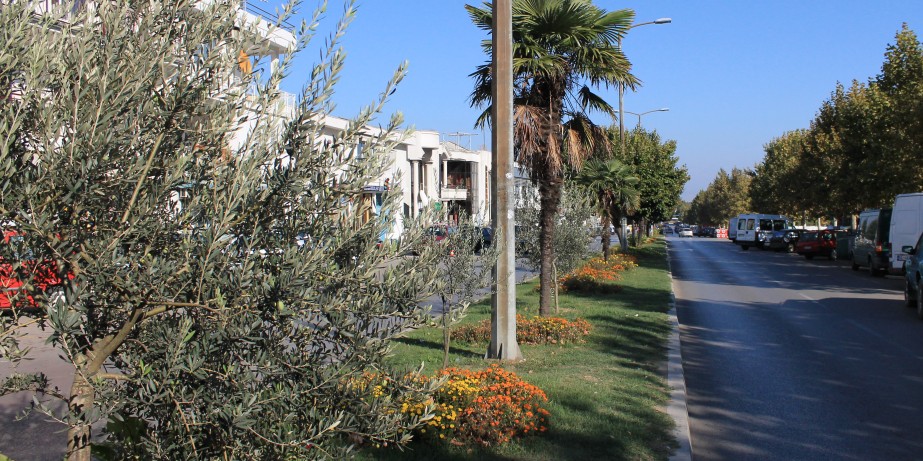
(219,300)
(571,234)
(465,258)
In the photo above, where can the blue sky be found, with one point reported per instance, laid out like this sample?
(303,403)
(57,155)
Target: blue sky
(734,74)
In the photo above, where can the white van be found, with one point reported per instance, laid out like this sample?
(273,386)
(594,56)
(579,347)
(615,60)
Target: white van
(906,227)
(754,230)
(732,229)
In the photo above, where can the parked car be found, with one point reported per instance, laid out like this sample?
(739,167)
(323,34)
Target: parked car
(820,243)
(870,247)
(913,288)
(685,232)
(784,239)
(484,238)
(44,274)
(438,232)
(705,232)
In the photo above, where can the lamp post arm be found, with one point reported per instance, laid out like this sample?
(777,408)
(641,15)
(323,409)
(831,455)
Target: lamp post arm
(622,86)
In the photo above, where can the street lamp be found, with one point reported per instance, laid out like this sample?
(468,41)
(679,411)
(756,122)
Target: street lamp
(663,109)
(622,87)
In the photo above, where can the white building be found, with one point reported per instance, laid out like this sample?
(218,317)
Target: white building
(428,172)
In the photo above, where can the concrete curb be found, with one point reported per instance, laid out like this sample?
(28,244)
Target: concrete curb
(676,381)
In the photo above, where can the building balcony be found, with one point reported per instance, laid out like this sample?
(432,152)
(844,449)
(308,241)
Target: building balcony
(454,193)
(267,39)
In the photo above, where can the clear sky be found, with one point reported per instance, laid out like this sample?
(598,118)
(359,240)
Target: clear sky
(734,73)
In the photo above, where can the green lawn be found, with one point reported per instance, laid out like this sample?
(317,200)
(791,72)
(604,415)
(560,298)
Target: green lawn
(606,396)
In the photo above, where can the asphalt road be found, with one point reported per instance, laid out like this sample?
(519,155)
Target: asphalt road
(788,359)
(34,437)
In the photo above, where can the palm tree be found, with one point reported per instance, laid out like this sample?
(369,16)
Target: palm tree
(613,185)
(561,48)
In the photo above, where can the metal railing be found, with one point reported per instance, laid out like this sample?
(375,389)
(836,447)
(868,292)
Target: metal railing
(252,8)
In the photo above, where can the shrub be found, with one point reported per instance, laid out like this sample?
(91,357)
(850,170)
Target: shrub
(474,332)
(550,330)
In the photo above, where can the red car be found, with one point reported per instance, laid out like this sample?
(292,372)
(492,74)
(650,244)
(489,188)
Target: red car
(820,243)
(45,276)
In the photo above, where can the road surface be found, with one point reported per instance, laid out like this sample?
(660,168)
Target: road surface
(788,359)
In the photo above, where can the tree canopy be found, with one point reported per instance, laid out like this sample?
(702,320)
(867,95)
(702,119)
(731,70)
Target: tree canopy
(862,147)
(661,179)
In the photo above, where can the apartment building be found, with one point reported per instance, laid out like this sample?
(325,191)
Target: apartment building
(429,172)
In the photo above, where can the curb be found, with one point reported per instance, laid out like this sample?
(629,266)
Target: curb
(676,380)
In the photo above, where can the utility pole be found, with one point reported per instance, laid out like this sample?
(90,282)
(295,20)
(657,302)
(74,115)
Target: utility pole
(503,343)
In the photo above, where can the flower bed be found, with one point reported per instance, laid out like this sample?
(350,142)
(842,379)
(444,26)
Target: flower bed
(486,407)
(537,330)
(595,274)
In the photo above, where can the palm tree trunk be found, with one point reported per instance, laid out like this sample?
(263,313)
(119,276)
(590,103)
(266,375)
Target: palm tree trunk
(556,284)
(621,231)
(550,191)
(606,236)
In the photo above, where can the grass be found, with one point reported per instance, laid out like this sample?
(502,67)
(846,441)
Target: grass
(605,396)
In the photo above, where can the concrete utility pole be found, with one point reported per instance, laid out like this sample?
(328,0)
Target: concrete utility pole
(503,343)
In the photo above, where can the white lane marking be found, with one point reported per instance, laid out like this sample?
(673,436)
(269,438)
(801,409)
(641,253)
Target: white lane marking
(815,301)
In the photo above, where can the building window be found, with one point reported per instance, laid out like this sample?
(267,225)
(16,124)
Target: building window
(458,175)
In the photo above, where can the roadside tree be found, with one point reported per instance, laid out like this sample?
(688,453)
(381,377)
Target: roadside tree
(725,197)
(900,110)
(464,261)
(661,180)
(778,184)
(220,302)
(562,50)
(571,235)
(613,187)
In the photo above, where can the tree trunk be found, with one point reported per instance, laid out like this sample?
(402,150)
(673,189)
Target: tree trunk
(554,268)
(619,230)
(80,403)
(642,232)
(606,236)
(446,340)
(550,191)
(446,333)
